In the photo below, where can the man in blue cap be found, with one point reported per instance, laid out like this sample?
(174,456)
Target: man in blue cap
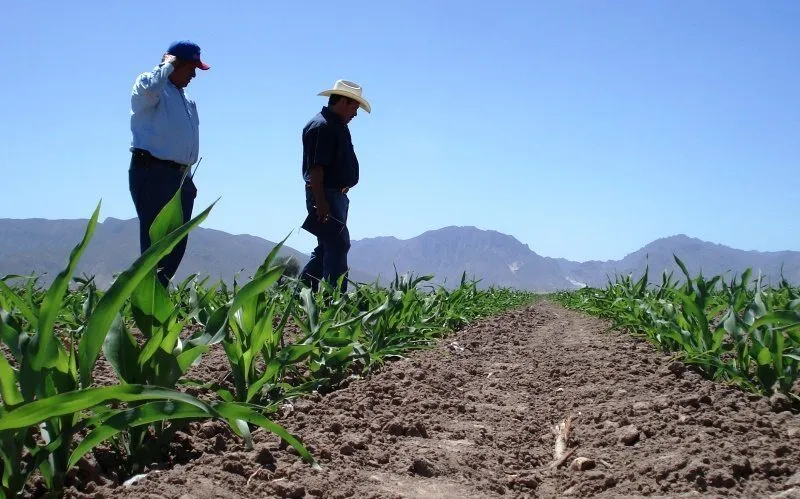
(165,143)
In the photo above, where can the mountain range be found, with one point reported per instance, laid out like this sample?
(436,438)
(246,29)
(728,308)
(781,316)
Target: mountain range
(42,246)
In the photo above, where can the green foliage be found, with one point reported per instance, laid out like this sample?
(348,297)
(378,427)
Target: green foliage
(281,340)
(740,331)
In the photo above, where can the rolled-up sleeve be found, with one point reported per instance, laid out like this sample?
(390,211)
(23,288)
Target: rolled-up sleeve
(321,144)
(148,87)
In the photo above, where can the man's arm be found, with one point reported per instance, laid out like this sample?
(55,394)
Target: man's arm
(148,86)
(322,149)
(317,176)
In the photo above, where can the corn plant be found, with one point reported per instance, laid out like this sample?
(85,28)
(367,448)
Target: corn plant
(400,319)
(47,399)
(748,337)
(331,323)
(253,334)
(162,357)
(50,366)
(196,301)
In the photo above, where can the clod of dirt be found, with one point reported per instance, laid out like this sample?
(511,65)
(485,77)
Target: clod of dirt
(780,402)
(282,488)
(210,428)
(721,479)
(106,458)
(394,427)
(265,457)
(423,467)
(529,481)
(695,469)
(583,464)
(628,435)
(417,430)
(669,463)
(741,467)
(234,466)
(572,491)
(220,444)
(399,429)
(676,368)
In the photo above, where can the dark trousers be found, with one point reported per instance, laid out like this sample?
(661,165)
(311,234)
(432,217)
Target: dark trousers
(152,184)
(329,259)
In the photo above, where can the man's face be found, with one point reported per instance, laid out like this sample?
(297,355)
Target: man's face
(183,74)
(349,109)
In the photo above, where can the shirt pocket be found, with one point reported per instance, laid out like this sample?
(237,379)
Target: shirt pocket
(194,116)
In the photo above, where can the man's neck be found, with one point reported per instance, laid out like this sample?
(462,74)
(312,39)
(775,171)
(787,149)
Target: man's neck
(334,112)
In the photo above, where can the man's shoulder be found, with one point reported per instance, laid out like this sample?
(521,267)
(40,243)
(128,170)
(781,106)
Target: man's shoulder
(144,77)
(318,122)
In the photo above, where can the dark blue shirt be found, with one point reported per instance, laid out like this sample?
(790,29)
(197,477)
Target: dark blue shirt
(327,143)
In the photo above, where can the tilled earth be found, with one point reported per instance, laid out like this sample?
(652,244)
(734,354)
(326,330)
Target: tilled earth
(473,418)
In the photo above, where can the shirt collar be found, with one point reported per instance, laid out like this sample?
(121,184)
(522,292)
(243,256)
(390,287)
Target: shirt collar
(331,116)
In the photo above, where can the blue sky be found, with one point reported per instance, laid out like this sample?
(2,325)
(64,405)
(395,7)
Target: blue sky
(585,129)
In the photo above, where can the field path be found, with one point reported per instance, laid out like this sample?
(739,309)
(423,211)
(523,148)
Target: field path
(472,418)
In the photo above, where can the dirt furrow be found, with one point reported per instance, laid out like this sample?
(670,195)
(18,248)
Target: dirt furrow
(473,417)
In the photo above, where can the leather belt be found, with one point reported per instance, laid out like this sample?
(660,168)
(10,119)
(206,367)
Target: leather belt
(344,190)
(145,154)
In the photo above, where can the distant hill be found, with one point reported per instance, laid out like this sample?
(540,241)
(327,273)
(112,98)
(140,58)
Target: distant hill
(710,258)
(495,258)
(37,245)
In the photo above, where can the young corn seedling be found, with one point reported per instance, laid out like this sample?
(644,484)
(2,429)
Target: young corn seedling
(50,366)
(748,337)
(162,357)
(332,336)
(401,319)
(45,391)
(253,334)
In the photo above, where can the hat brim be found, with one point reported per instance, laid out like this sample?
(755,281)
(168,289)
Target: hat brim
(202,65)
(362,102)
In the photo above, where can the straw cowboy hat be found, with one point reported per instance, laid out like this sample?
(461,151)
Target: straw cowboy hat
(348,89)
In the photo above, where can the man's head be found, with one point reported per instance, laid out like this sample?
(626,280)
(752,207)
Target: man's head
(345,107)
(345,98)
(187,60)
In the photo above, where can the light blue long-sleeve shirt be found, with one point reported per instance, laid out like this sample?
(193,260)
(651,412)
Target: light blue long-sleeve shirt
(163,120)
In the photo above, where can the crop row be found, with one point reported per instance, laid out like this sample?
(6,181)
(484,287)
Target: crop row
(740,331)
(281,341)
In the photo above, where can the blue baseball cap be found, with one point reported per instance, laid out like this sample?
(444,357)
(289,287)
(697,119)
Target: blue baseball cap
(187,51)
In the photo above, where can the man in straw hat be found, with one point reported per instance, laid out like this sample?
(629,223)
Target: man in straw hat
(165,143)
(330,169)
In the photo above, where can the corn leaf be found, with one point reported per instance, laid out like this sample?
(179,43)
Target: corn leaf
(112,301)
(43,350)
(121,351)
(80,400)
(8,384)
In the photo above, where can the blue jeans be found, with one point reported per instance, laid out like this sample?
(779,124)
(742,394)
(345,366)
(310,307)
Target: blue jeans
(152,184)
(329,259)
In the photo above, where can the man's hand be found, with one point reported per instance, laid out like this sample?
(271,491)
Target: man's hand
(171,59)
(323,210)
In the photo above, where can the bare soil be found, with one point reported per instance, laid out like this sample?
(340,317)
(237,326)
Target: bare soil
(473,418)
